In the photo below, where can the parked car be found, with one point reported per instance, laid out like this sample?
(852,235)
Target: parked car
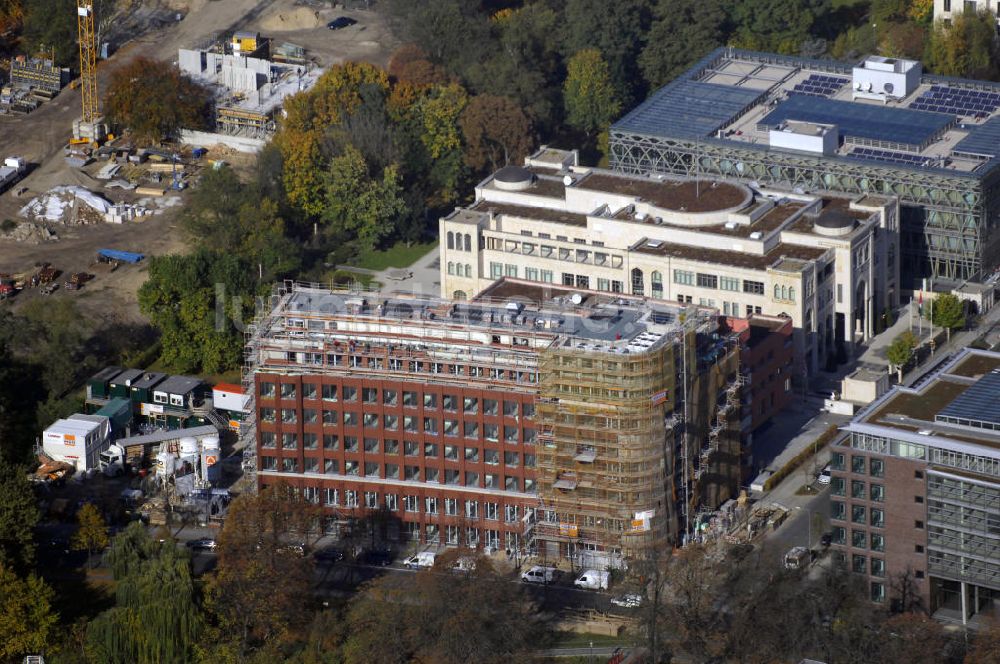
(328,555)
(379,557)
(628,601)
(204,544)
(824,476)
(538,574)
(341,22)
(797,557)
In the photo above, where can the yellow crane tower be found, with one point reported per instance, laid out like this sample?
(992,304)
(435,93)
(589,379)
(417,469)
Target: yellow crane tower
(88,70)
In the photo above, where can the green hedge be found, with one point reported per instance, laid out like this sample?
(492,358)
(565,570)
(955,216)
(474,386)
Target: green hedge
(801,457)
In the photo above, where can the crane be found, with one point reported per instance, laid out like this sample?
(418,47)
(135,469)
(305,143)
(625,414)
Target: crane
(88,60)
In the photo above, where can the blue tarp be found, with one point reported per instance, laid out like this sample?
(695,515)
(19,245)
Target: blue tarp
(118,255)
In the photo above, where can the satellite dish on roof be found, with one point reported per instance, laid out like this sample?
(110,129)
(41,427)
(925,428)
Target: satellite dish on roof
(567,180)
(888,88)
(868,86)
(576,299)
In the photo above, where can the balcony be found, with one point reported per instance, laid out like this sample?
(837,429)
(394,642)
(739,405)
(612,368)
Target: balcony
(565,482)
(585,455)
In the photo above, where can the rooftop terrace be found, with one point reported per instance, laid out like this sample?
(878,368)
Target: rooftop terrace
(552,317)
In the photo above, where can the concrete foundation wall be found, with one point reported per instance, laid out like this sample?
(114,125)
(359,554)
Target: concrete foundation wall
(207,140)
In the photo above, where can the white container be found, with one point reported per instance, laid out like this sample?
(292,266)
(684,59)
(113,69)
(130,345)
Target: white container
(188,447)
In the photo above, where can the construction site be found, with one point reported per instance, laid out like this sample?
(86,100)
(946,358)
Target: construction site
(567,424)
(250,76)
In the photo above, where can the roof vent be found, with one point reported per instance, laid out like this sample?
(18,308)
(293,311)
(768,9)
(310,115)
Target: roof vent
(756,235)
(654,244)
(731,225)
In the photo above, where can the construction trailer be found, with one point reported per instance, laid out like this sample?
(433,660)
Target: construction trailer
(77,440)
(231,403)
(99,385)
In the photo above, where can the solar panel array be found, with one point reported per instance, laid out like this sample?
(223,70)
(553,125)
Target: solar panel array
(982,141)
(967,103)
(819,85)
(688,109)
(877,123)
(980,403)
(890,156)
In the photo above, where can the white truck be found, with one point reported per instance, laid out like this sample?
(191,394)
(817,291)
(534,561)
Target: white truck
(13,169)
(422,560)
(593,579)
(113,461)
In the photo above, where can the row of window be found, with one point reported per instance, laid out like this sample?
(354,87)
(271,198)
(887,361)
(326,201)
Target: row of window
(332,443)
(374,471)
(860,514)
(460,269)
(860,539)
(390,397)
(459,241)
(859,490)
(859,465)
(599,258)
(427,425)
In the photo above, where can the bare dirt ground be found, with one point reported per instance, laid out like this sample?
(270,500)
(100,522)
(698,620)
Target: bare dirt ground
(41,136)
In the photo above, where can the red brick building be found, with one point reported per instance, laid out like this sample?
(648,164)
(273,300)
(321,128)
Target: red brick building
(475,423)
(915,491)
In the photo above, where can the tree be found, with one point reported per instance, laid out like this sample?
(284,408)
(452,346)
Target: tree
(617,30)
(497,132)
(441,617)
(154,100)
(256,594)
(92,534)
(155,618)
(967,47)
(775,25)
(18,517)
(985,645)
(913,638)
(948,312)
(683,32)
(590,99)
(359,206)
(224,212)
(199,303)
(412,64)
(900,351)
(451,31)
(27,618)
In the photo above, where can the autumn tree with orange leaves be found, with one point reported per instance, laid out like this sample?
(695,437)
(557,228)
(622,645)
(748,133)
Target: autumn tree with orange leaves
(153,100)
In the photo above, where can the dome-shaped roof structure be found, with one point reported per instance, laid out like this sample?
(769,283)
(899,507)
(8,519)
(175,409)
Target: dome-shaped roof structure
(834,222)
(513,178)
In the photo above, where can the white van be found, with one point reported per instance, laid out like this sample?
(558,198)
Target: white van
(422,560)
(538,574)
(593,579)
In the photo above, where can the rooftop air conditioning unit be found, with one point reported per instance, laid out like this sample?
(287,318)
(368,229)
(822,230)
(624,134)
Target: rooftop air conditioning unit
(756,235)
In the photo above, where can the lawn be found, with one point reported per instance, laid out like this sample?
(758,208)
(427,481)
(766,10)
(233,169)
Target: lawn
(398,255)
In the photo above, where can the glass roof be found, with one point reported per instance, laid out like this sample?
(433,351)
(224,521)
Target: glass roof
(982,141)
(979,403)
(688,109)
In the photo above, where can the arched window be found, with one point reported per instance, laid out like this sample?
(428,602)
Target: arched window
(791,293)
(451,268)
(458,295)
(451,240)
(638,287)
(777,292)
(468,242)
